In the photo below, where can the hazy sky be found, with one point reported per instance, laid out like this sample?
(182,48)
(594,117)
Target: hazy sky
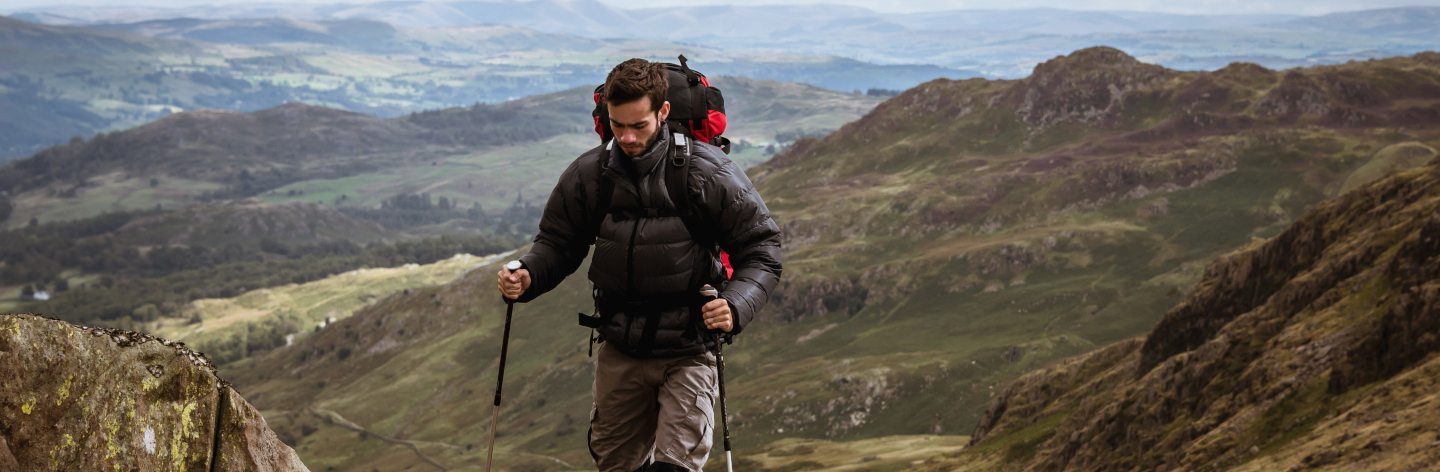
(1214,7)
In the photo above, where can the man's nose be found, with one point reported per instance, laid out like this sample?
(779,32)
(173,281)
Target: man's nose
(627,137)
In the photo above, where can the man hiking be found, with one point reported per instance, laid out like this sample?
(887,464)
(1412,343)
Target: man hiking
(655,382)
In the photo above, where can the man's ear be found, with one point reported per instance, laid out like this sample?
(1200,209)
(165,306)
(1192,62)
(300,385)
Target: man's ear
(664,111)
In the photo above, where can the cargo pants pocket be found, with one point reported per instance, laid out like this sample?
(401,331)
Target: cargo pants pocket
(704,416)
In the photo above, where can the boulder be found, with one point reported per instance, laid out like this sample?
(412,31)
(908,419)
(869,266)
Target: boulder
(78,398)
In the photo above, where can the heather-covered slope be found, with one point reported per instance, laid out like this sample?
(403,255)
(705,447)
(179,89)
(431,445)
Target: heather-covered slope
(1313,350)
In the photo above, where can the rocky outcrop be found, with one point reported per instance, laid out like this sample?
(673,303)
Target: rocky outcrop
(77,398)
(1314,350)
(1084,86)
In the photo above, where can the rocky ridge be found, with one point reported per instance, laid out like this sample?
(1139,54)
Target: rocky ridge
(77,398)
(1314,350)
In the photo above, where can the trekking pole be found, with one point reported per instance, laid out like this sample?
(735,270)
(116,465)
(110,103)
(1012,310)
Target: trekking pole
(710,294)
(512,266)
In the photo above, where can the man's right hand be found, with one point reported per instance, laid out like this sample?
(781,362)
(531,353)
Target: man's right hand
(512,284)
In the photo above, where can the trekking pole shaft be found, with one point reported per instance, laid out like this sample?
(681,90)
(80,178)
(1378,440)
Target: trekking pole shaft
(504,348)
(724,411)
(500,381)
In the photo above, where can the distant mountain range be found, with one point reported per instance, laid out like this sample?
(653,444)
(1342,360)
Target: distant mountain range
(114,68)
(1001,43)
(593,18)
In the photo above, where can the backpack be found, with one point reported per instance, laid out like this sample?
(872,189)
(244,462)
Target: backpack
(696,108)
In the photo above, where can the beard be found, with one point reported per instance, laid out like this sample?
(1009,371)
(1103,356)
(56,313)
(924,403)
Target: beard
(650,141)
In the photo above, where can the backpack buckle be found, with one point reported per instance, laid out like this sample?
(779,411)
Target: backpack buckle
(678,160)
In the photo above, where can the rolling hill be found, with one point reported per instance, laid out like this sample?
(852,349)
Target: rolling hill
(959,235)
(298,152)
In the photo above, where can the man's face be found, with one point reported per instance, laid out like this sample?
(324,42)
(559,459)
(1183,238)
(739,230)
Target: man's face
(635,126)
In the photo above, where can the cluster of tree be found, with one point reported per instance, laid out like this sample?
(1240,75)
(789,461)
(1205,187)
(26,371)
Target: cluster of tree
(38,253)
(144,299)
(248,184)
(253,337)
(407,201)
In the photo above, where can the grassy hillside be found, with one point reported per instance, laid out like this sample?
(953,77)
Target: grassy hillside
(223,328)
(959,235)
(1313,350)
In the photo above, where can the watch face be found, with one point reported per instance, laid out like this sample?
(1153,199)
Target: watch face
(513,266)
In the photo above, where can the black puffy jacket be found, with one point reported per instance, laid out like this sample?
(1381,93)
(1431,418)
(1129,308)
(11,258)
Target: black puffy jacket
(654,258)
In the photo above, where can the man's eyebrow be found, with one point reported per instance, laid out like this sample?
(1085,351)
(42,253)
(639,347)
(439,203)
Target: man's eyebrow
(637,124)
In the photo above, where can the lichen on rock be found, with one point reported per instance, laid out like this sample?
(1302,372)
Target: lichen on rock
(77,398)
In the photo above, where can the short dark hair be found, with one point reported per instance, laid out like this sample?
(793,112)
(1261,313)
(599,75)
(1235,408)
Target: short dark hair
(637,78)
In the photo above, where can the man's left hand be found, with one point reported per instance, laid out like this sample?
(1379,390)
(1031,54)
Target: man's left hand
(717,315)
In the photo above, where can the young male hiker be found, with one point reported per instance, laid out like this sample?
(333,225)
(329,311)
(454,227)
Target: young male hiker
(655,382)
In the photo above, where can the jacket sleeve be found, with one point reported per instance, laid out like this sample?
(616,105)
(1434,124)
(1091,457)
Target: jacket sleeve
(565,235)
(748,234)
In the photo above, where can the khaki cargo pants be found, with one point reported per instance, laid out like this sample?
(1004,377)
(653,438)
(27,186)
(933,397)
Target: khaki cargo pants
(652,410)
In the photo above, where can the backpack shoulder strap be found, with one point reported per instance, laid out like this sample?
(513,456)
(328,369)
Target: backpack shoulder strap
(677,176)
(604,194)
